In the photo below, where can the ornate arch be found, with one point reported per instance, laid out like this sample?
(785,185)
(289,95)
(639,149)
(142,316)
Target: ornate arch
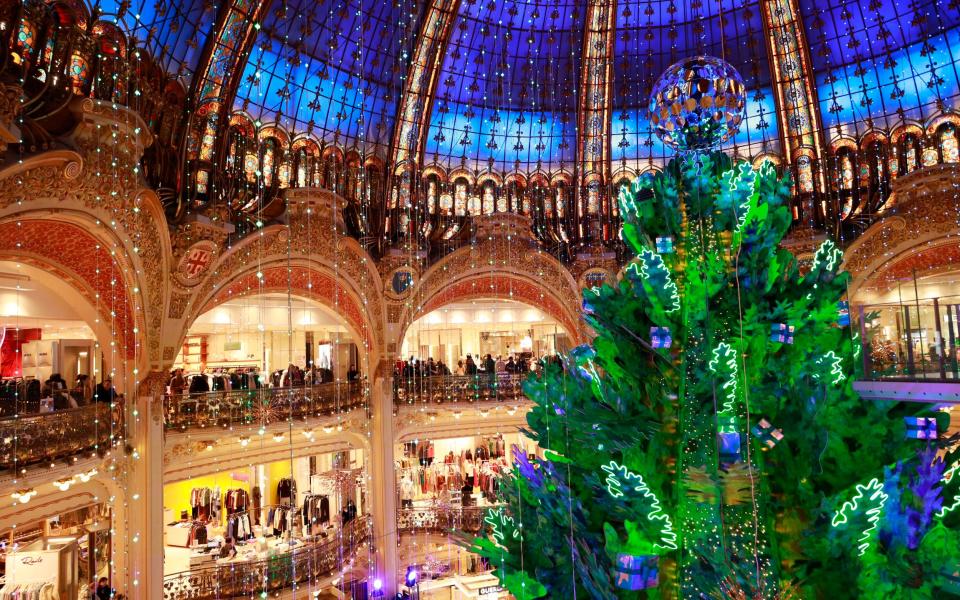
(922,222)
(332,269)
(531,277)
(300,279)
(68,229)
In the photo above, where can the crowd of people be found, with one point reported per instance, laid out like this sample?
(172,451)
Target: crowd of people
(250,378)
(485,365)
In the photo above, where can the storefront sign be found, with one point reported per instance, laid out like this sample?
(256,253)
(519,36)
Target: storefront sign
(491,590)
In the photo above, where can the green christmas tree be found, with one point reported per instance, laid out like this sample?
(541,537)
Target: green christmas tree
(708,443)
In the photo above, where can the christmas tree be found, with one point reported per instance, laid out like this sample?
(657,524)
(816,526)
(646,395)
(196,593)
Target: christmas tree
(708,443)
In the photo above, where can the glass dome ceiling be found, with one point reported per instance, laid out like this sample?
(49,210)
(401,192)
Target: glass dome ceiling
(507,80)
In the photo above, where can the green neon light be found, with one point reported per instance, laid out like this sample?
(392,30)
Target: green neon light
(615,487)
(827,253)
(875,489)
(856,345)
(651,264)
(956,499)
(728,355)
(742,185)
(836,364)
(498,520)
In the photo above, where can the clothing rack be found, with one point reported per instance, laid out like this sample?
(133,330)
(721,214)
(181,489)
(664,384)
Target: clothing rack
(287,491)
(239,526)
(205,504)
(236,501)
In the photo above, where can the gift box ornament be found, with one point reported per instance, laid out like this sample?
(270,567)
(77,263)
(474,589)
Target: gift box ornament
(665,245)
(921,428)
(660,337)
(781,333)
(728,439)
(637,572)
(768,435)
(729,445)
(843,313)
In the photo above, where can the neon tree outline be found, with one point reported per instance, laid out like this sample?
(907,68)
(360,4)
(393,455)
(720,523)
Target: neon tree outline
(650,259)
(876,491)
(615,472)
(730,385)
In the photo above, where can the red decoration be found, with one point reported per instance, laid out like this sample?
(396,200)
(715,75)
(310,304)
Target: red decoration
(71,254)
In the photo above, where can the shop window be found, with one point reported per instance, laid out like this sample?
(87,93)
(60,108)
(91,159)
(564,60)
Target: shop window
(283,175)
(561,200)
(446,204)
(503,204)
(432,196)
(930,156)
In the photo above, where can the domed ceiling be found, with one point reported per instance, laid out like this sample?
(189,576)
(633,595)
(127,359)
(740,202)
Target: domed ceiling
(505,79)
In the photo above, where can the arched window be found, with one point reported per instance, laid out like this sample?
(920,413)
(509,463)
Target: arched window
(949,147)
(460,196)
(544,199)
(473,204)
(303,168)
(24,44)
(845,171)
(251,166)
(79,73)
(593,198)
(503,203)
(283,174)
(269,158)
(911,153)
(489,200)
(433,189)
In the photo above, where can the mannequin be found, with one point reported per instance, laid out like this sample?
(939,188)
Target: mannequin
(406,492)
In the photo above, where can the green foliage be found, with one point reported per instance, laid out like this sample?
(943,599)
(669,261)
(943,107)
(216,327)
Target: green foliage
(654,413)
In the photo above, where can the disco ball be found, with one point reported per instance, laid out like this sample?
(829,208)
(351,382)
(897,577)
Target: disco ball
(697,104)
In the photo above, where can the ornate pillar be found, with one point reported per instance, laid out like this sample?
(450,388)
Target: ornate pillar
(593,145)
(214,88)
(145,493)
(797,109)
(384,486)
(413,120)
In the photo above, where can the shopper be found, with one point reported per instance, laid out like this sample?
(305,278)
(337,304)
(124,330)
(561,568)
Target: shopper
(471,367)
(105,392)
(83,390)
(228,549)
(178,383)
(489,366)
(103,591)
(353,374)
(460,368)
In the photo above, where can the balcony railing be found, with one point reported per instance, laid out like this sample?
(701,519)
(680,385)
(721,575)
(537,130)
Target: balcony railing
(441,519)
(444,389)
(306,564)
(58,435)
(261,406)
(913,340)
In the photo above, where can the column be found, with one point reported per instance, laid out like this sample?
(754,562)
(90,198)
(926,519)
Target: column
(145,493)
(384,485)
